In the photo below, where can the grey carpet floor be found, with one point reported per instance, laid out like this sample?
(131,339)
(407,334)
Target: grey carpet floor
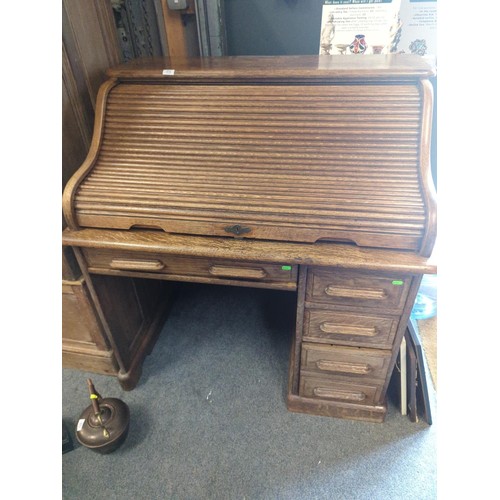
(209,419)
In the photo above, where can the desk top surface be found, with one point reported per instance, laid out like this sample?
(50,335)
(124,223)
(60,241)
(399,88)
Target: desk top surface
(391,66)
(317,254)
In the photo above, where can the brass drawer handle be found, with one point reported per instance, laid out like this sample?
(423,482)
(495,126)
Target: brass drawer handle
(237,272)
(137,265)
(323,392)
(355,293)
(362,331)
(342,367)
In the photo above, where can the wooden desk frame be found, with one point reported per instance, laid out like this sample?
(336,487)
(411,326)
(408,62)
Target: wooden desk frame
(244,171)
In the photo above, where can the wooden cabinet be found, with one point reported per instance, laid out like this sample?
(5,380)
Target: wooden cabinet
(84,344)
(89,47)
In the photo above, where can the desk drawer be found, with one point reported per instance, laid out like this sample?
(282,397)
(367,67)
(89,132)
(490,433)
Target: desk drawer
(340,361)
(179,267)
(357,288)
(350,328)
(321,387)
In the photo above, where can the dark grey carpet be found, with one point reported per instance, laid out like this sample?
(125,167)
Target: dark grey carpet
(209,419)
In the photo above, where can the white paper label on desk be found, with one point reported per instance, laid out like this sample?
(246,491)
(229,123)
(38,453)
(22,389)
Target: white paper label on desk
(168,72)
(79,427)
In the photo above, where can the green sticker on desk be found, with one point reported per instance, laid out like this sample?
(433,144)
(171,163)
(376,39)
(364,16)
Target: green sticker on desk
(398,282)
(286,268)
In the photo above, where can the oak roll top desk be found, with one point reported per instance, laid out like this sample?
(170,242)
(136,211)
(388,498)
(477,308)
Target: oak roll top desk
(301,173)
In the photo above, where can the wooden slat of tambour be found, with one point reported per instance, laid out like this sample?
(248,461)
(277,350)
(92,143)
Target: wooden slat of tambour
(257,178)
(128,173)
(256,157)
(186,161)
(194,127)
(262,152)
(343,100)
(260,181)
(115,144)
(154,108)
(210,153)
(189,171)
(254,154)
(157,113)
(256,189)
(223,180)
(256,167)
(258,121)
(234,125)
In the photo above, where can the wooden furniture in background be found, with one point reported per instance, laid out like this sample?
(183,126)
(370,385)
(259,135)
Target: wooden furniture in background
(89,47)
(180,29)
(300,173)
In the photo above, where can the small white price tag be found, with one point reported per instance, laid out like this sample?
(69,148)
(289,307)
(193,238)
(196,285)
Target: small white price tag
(79,427)
(168,72)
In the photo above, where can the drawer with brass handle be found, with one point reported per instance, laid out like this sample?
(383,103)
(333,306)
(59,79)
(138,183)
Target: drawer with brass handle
(357,288)
(186,268)
(345,361)
(320,387)
(362,329)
